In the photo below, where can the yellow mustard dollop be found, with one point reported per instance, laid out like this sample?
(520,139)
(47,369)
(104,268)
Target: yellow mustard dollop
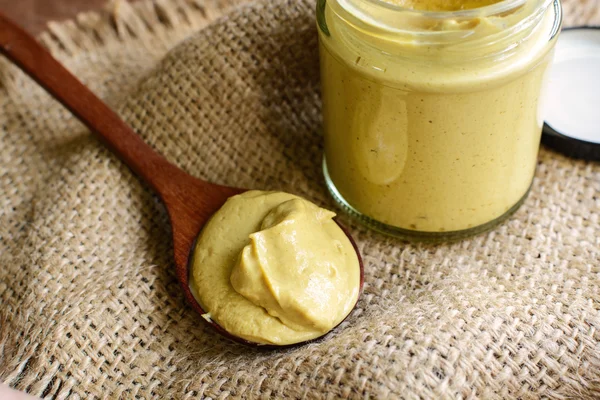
(273,268)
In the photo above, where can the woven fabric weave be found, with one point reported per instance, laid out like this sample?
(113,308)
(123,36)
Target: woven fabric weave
(90,307)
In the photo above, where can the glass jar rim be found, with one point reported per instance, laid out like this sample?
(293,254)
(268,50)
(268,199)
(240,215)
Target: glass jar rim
(485,11)
(509,22)
(396,19)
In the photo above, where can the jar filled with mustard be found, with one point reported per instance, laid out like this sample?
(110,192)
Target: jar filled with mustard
(431,109)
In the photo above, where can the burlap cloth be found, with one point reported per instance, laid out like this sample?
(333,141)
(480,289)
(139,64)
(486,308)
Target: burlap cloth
(89,303)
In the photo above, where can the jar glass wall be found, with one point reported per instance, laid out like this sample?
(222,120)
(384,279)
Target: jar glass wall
(432,120)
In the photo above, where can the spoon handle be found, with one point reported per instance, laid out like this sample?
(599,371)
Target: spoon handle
(21,48)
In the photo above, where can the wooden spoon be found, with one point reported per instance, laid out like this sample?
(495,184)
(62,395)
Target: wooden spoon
(189,201)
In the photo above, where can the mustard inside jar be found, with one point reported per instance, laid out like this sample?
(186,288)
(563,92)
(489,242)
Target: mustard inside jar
(431,109)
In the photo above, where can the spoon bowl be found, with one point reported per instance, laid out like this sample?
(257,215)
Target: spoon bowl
(190,202)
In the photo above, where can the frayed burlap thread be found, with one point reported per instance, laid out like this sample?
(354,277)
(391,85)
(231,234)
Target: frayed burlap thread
(90,307)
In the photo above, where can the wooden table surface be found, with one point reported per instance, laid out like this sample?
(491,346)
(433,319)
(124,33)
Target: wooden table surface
(33,14)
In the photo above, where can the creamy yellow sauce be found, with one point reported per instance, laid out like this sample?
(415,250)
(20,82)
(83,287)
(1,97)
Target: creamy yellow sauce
(273,268)
(420,140)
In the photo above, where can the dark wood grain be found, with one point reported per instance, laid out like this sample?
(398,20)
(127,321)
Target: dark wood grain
(189,201)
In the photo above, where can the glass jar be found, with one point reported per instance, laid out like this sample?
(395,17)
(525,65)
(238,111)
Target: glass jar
(432,120)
